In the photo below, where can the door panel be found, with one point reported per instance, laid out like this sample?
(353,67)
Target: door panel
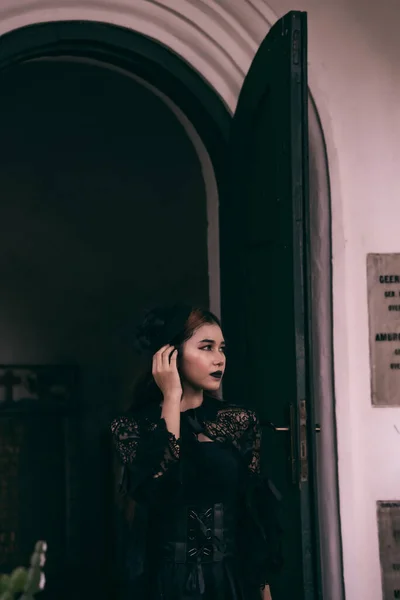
(263,216)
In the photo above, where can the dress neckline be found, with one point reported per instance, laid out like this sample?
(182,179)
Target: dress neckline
(191,410)
(207,410)
(209,402)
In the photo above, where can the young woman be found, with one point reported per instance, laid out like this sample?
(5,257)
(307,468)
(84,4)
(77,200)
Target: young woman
(192,462)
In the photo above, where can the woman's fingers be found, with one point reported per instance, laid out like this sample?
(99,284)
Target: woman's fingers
(161,358)
(166,357)
(156,360)
(165,370)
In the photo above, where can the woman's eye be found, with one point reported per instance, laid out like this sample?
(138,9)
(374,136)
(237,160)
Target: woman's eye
(209,347)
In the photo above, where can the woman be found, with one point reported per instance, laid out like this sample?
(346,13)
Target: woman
(192,462)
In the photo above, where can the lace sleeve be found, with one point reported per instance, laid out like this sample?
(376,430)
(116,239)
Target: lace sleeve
(149,452)
(251,440)
(241,425)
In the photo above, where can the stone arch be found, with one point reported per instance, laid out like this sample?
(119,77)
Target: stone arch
(218,39)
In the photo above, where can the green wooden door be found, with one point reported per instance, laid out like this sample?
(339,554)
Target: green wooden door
(264,274)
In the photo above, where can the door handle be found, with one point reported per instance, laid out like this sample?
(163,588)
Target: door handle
(275,428)
(303,466)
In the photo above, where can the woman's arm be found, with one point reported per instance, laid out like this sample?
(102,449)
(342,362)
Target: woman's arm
(171,412)
(150,455)
(266,593)
(166,376)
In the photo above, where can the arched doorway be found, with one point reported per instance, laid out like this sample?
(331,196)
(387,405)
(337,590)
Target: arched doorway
(163,70)
(101,182)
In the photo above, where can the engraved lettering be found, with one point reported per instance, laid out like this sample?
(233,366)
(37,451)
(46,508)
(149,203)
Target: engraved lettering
(383,278)
(389,278)
(387,337)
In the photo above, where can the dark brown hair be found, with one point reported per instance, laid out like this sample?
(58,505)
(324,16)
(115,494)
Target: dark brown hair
(146,389)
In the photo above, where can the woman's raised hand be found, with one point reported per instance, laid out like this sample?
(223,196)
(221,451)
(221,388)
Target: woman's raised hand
(165,372)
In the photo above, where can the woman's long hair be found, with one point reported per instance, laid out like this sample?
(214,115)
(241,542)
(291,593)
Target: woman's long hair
(145,389)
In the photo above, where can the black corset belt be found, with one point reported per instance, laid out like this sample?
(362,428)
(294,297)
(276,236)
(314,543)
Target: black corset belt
(201,535)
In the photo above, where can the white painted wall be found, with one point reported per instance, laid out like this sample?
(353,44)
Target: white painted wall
(356,84)
(355,81)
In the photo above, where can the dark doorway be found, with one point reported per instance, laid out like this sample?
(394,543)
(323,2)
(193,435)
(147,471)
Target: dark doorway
(102,196)
(241,263)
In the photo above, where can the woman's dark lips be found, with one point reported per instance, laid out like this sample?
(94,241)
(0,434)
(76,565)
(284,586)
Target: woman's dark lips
(216,374)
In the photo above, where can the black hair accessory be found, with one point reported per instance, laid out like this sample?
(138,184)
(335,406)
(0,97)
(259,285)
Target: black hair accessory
(160,326)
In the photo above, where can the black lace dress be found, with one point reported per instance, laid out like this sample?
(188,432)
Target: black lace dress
(210,521)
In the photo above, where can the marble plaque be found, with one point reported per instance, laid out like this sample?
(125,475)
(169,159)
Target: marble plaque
(383,278)
(389,547)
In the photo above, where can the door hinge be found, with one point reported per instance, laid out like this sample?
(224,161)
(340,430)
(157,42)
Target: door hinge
(303,442)
(296,47)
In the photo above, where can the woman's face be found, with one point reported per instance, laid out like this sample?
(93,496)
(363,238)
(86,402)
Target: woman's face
(203,354)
